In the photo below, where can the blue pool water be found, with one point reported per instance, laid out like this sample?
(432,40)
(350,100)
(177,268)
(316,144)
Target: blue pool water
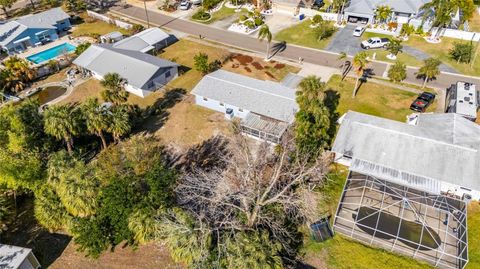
(51,53)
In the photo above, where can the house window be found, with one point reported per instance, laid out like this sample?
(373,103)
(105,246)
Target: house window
(240,109)
(222,104)
(205,99)
(167,74)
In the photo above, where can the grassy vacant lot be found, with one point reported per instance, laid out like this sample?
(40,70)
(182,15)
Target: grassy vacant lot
(473,222)
(189,124)
(92,27)
(373,99)
(302,35)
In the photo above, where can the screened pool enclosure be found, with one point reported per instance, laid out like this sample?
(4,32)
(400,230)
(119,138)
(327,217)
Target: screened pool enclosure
(414,223)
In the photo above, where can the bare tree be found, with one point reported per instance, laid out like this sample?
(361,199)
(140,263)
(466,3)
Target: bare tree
(261,186)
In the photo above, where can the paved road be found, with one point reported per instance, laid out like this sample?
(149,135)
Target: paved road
(291,52)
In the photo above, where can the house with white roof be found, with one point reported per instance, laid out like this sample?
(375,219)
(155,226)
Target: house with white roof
(364,10)
(33,30)
(439,154)
(265,108)
(13,257)
(142,72)
(151,39)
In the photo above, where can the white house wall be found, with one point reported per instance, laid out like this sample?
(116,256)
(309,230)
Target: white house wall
(215,105)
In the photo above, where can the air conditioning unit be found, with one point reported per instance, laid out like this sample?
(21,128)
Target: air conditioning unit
(229,114)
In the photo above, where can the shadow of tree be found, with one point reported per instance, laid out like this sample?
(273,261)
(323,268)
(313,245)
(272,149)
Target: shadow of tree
(27,232)
(278,48)
(155,116)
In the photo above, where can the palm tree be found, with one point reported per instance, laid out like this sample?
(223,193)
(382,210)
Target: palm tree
(360,63)
(20,69)
(264,33)
(114,92)
(53,65)
(442,11)
(119,122)
(97,118)
(62,123)
(383,13)
(429,70)
(394,47)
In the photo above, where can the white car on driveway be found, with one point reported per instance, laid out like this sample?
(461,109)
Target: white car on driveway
(375,43)
(184,5)
(358,31)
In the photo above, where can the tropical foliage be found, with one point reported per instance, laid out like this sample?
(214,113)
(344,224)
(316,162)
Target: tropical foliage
(360,64)
(81,48)
(462,52)
(312,121)
(429,70)
(397,72)
(16,74)
(114,91)
(265,34)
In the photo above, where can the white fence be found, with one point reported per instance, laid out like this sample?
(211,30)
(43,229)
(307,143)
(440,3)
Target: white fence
(461,35)
(326,16)
(107,19)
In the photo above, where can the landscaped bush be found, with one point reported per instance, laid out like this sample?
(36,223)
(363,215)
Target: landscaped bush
(462,52)
(419,30)
(407,29)
(258,21)
(325,30)
(317,19)
(243,18)
(392,25)
(249,24)
(201,15)
(209,4)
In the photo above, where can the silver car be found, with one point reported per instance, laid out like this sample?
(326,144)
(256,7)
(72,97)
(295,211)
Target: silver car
(184,5)
(358,31)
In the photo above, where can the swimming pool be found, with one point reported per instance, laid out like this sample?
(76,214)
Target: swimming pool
(51,53)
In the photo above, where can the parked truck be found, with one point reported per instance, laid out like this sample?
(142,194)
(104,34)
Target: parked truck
(375,43)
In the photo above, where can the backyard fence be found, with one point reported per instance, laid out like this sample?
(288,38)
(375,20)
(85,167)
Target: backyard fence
(462,35)
(107,19)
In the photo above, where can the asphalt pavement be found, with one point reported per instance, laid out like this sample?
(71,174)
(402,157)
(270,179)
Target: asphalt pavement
(290,52)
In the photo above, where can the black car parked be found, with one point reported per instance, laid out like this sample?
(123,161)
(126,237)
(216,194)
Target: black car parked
(422,102)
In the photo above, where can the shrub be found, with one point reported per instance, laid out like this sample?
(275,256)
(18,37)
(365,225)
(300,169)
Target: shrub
(462,52)
(325,30)
(201,62)
(397,72)
(407,29)
(317,19)
(258,21)
(243,18)
(81,48)
(209,4)
(392,25)
(201,15)
(249,24)
(136,28)
(419,30)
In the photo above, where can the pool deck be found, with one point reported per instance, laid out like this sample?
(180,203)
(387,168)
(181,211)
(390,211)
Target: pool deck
(34,50)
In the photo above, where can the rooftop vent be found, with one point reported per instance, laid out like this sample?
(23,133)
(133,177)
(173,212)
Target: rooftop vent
(460,101)
(466,98)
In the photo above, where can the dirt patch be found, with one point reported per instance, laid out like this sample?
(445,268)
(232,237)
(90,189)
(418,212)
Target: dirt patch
(279,66)
(248,69)
(243,59)
(257,66)
(145,256)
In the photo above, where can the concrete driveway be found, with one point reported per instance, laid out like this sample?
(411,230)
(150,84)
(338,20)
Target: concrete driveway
(344,41)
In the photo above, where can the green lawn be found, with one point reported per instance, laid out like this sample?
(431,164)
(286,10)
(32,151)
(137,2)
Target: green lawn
(302,35)
(96,28)
(223,13)
(441,51)
(474,23)
(374,99)
(473,223)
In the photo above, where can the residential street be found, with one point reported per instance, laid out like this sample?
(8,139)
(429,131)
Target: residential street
(291,52)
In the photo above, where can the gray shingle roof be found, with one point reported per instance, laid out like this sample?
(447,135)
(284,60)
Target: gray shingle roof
(142,41)
(367,6)
(266,98)
(444,147)
(136,67)
(42,20)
